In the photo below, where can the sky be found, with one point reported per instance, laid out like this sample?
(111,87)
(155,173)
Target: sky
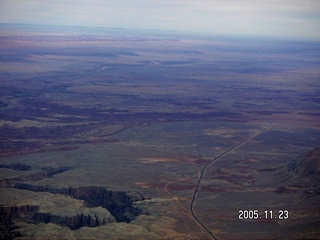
(280,18)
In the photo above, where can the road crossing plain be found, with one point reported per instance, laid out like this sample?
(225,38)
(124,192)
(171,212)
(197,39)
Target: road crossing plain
(137,115)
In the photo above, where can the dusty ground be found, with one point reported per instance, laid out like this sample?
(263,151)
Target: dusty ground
(143,115)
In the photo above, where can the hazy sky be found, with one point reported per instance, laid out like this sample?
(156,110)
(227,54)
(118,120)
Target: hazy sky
(285,18)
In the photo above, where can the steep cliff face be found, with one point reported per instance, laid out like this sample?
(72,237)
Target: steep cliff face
(98,206)
(32,176)
(9,212)
(92,218)
(118,203)
(7,229)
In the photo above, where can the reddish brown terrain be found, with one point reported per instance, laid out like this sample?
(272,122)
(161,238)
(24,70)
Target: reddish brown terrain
(108,134)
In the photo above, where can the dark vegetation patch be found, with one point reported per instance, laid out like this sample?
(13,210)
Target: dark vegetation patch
(16,166)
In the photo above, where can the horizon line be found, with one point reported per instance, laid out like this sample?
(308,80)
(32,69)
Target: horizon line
(184,32)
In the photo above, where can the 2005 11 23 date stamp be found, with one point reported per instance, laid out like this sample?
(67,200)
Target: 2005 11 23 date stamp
(264,214)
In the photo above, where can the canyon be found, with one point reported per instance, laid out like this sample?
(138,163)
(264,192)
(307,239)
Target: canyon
(114,134)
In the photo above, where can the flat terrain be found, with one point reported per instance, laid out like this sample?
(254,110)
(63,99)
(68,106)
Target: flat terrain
(105,134)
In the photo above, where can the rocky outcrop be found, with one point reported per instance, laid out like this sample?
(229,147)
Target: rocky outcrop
(118,203)
(101,205)
(300,176)
(9,212)
(32,176)
(7,229)
(307,167)
(92,218)
(87,217)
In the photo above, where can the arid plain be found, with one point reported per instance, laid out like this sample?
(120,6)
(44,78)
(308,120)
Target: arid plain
(115,134)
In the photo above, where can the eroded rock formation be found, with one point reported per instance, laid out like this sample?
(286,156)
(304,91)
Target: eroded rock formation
(92,217)
(7,229)
(100,206)
(32,176)
(307,166)
(118,203)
